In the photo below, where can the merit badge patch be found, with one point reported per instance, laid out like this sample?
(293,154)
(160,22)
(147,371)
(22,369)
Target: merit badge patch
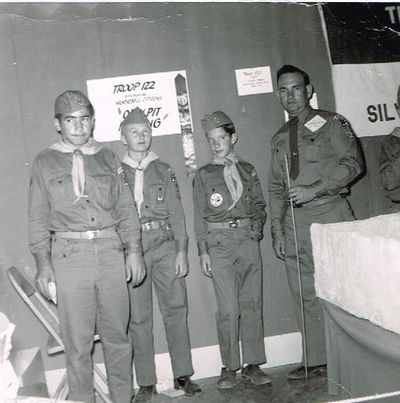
(315,123)
(216,200)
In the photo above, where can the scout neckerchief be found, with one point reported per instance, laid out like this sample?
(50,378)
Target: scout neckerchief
(139,168)
(231,176)
(78,166)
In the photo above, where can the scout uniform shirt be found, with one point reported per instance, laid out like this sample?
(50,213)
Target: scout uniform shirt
(107,201)
(328,154)
(212,200)
(161,197)
(390,167)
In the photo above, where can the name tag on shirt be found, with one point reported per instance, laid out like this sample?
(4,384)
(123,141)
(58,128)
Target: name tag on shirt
(315,123)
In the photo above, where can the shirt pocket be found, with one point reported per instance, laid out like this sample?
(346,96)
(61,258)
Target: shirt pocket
(312,148)
(61,190)
(106,189)
(218,197)
(157,197)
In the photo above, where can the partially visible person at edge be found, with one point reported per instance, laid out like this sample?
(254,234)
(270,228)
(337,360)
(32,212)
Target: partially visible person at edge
(165,242)
(81,221)
(229,217)
(390,164)
(324,158)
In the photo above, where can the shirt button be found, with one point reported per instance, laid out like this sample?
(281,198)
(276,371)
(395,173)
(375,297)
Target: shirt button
(87,201)
(146,206)
(92,219)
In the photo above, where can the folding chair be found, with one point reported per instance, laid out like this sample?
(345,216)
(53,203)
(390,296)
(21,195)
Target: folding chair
(46,312)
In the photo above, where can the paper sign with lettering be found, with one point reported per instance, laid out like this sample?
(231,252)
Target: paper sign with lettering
(156,94)
(255,80)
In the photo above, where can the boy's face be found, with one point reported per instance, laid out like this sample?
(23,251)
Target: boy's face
(75,127)
(137,136)
(221,143)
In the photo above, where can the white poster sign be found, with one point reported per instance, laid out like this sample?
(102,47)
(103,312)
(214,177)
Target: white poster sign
(255,80)
(366,95)
(156,94)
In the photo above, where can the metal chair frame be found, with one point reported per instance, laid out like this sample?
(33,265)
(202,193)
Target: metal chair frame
(46,312)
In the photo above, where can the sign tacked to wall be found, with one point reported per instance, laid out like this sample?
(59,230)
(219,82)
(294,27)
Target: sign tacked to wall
(164,97)
(156,94)
(363,41)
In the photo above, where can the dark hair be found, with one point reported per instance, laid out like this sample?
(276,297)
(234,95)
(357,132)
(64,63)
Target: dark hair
(288,68)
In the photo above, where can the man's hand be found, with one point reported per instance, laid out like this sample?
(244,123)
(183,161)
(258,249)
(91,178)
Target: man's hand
(181,264)
(278,243)
(135,266)
(44,276)
(205,263)
(303,193)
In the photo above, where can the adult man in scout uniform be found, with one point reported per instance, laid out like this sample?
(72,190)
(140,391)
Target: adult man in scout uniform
(324,158)
(390,164)
(229,213)
(81,220)
(164,241)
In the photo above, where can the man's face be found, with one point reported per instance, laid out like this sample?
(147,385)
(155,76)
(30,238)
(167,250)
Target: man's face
(221,143)
(293,94)
(75,127)
(137,136)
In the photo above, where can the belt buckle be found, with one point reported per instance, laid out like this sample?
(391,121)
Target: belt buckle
(92,234)
(146,226)
(233,224)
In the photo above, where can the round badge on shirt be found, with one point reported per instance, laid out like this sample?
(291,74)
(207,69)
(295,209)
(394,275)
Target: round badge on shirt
(216,199)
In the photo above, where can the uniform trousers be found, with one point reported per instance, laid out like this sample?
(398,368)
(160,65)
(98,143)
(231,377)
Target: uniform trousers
(92,293)
(335,211)
(159,249)
(237,279)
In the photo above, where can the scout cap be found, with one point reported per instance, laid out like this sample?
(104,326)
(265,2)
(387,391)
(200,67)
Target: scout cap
(135,116)
(71,101)
(216,119)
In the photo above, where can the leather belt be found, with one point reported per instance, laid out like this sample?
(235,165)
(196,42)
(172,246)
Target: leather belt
(95,234)
(234,223)
(149,225)
(318,202)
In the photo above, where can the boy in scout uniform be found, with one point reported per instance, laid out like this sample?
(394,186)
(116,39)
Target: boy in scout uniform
(164,241)
(324,159)
(229,211)
(81,220)
(390,164)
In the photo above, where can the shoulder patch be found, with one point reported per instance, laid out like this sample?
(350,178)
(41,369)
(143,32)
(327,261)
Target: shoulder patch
(345,124)
(173,179)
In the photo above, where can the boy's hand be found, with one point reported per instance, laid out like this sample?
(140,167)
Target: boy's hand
(181,264)
(205,263)
(44,276)
(278,243)
(135,267)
